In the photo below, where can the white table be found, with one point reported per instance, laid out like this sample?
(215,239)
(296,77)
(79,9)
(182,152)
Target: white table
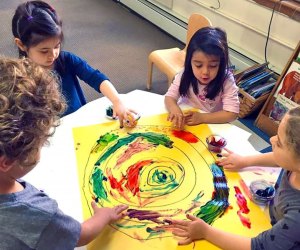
(56,173)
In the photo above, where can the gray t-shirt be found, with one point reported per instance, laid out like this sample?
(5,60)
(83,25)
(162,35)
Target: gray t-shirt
(31,220)
(285,220)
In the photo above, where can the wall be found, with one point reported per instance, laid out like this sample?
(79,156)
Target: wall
(245,22)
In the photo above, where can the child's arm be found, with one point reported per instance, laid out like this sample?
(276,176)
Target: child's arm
(94,225)
(175,113)
(197,229)
(119,109)
(195,118)
(234,161)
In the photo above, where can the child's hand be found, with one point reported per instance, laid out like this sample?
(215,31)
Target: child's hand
(123,114)
(194,229)
(231,160)
(94,225)
(177,118)
(192,118)
(111,214)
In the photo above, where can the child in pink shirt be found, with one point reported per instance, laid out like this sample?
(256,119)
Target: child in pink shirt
(205,82)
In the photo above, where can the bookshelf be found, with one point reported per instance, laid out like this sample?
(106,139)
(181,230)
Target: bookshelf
(263,120)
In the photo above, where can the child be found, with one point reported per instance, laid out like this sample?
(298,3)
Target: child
(38,34)
(205,83)
(30,105)
(284,209)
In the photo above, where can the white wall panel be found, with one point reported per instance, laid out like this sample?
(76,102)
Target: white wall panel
(245,22)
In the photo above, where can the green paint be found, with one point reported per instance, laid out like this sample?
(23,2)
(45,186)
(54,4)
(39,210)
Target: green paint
(97,183)
(153,233)
(156,139)
(199,196)
(216,207)
(161,177)
(131,226)
(103,141)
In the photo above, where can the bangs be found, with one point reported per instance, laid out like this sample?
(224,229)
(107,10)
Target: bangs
(35,38)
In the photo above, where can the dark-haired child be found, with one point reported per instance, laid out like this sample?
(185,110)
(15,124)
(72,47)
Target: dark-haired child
(38,34)
(205,83)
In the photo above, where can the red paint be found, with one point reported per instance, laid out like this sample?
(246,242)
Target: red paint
(114,183)
(133,176)
(131,180)
(185,135)
(245,221)
(242,203)
(220,143)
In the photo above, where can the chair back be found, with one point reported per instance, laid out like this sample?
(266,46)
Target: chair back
(196,22)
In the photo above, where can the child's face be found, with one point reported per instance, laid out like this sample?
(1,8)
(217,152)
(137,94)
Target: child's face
(205,67)
(46,52)
(283,155)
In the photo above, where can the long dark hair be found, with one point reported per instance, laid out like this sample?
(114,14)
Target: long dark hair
(211,41)
(34,22)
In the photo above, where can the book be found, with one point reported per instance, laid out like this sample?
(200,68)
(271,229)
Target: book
(248,73)
(262,89)
(280,107)
(261,78)
(287,95)
(290,83)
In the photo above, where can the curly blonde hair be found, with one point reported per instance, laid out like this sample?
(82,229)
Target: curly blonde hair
(30,106)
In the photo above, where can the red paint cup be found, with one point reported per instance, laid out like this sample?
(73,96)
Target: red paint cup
(215,143)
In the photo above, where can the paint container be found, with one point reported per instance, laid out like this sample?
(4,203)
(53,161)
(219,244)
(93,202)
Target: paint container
(109,113)
(215,143)
(261,191)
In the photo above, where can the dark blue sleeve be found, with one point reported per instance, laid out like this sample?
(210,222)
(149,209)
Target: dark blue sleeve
(83,70)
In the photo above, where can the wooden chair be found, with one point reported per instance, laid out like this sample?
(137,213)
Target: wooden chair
(171,61)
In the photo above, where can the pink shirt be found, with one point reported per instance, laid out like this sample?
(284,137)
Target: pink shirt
(227,99)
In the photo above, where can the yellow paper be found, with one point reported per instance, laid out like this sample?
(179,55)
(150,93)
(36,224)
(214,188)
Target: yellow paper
(141,168)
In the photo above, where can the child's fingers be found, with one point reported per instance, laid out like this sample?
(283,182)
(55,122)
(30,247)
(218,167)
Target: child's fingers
(179,223)
(180,233)
(188,113)
(226,164)
(94,205)
(192,217)
(229,167)
(121,121)
(185,241)
(228,152)
(120,208)
(179,227)
(223,161)
(114,112)
(170,117)
(179,123)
